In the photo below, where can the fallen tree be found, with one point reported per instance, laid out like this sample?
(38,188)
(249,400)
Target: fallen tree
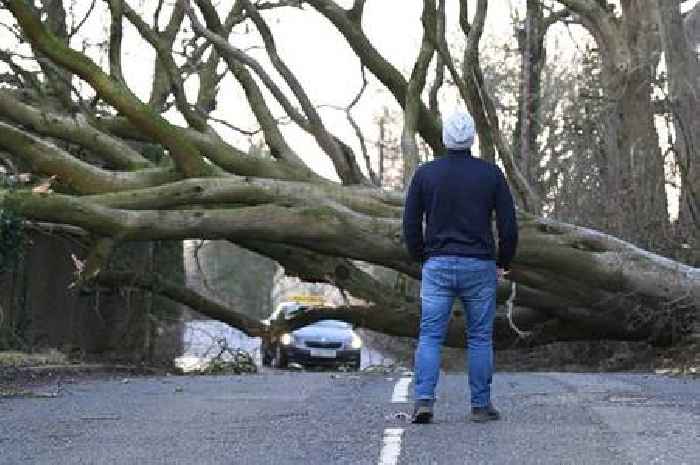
(571,282)
(592,284)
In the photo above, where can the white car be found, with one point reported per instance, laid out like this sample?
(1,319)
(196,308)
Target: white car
(321,343)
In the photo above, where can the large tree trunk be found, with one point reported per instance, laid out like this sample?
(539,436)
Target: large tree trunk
(533,56)
(633,176)
(683,69)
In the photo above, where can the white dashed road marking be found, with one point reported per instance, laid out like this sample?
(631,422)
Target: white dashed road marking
(401,391)
(391,446)
(391,443)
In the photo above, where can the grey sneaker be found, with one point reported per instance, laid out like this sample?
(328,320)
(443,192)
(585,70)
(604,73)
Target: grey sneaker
(422,412)
(484,414)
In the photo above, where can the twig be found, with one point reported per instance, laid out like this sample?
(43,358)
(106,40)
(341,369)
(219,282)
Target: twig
(233,127)
(156,16)
(75,29)
(509,312)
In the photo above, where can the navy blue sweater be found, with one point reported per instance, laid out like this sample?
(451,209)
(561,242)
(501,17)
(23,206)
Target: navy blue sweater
(458,194)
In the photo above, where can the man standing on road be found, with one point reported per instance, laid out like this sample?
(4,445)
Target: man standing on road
(457,195)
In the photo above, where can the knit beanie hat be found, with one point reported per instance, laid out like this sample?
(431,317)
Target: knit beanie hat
(458,131)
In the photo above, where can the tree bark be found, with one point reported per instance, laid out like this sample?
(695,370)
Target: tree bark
(634,174)
(533,55)
(589,277)
(683,71)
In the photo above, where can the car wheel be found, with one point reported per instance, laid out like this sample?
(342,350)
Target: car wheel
(356,365)
(280,360)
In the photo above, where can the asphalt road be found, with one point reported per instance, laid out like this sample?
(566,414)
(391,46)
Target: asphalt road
(323,418)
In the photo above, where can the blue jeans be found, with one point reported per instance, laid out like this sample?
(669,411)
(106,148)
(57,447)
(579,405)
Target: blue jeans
(474,281)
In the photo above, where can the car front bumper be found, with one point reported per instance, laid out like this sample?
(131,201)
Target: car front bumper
(303,355)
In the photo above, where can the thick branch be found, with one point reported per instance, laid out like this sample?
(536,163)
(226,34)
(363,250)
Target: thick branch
(550,252)
(224,155)
(177,293)
(387,310)
(160,89)
(603,25)
(326,229)
(416,84)
(74,129)
(239,190)
(115,40)
(439,63)
(470,92)
(48,159)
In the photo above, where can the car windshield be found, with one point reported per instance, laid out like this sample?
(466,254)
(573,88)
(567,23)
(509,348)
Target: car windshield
(332,324)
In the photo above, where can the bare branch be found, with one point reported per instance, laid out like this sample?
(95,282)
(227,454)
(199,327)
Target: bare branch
(213,32)
(232,53)
(351,28)
(76,28)
(184,295)
(224,155)
(46,158)
(554,17)
(168,63)
(156,15)
(475,93)
(115,40)
(416,84)
(358,131)
(186,156)
(601,22)
(237,190)
(29,78)
(433,103)
(73,129)
(346,167)
(161,87)
(233,127)
(357,9)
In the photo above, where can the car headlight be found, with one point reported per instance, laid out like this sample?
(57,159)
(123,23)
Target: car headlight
(356,342)
(286,339)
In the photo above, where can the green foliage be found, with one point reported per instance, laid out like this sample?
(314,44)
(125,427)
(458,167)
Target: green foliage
(11,239)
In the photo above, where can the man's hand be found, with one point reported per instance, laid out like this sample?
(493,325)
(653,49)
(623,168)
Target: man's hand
(502,273)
